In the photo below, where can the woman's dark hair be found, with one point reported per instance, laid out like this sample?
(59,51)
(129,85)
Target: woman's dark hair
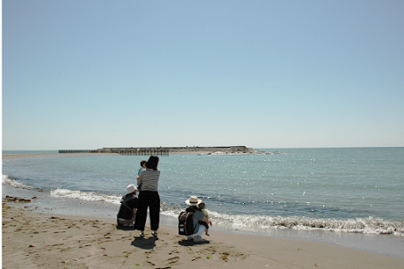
(152,162)
(142,162)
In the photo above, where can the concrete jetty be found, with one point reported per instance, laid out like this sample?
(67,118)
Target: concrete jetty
(77,151)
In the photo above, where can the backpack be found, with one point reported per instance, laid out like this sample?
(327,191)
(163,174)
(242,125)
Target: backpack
(186,223)
(126,200)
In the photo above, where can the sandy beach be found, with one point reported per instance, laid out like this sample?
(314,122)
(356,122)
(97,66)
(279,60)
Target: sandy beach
(36,240)
(45,240)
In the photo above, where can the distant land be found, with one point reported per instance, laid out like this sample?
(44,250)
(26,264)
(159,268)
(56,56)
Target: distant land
(168,150)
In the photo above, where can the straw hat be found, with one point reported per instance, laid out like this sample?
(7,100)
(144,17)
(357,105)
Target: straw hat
(130,189)
(193,200)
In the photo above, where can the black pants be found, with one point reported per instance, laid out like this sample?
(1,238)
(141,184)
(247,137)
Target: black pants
(151,200)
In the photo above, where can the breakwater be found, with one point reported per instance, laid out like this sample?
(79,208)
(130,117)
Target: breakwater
(77,151)
(168,150)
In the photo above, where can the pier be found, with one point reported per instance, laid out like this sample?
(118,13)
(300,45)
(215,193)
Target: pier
(143,151)
(122,151)
(77,151)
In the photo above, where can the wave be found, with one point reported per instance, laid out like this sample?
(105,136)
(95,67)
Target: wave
(14,183)
(64,193)
(365,225)
(368,225)
(86,196)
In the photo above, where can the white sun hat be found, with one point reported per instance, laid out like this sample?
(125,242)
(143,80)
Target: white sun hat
(130,189)
(193,200)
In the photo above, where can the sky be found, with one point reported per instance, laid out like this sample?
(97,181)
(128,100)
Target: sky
(83,74)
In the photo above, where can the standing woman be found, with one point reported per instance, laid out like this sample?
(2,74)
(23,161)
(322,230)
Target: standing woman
(149,197)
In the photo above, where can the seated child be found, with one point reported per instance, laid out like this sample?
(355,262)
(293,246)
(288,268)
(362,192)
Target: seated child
(206,219)
(127,211)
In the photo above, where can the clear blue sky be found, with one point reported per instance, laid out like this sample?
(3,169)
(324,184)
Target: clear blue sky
(83,74)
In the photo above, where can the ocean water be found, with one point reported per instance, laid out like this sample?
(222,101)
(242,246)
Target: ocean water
(343,190)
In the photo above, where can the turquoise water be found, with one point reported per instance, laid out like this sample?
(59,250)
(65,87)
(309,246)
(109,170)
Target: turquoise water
(340,189)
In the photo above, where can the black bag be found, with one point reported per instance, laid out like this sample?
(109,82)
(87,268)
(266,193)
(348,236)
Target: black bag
(127,199)
(186,223)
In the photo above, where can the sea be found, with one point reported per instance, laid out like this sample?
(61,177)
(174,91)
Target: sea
(353,197)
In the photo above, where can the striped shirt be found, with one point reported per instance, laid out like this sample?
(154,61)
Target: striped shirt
(149,180)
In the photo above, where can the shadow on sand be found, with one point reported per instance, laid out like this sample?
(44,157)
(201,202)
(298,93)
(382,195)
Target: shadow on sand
(188,243)
(125,228)
(145,243)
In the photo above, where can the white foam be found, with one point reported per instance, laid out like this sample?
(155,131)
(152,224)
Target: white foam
(86,196)
(367,225)
(14,183)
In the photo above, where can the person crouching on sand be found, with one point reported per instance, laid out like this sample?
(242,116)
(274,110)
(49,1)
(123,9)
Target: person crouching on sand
(199,227)
(127,211)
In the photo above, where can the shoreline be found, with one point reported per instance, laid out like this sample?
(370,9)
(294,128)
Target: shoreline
(230,233)
(374,243)
(55,241)
(7,156)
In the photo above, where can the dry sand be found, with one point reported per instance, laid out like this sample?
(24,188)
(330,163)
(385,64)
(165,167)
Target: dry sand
(36,240)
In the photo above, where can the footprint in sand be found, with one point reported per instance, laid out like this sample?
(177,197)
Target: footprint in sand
(172,260)
(149,262)
(196,258)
